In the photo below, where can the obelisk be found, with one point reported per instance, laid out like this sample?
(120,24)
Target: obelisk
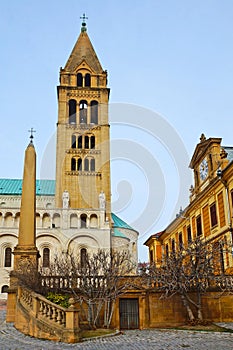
(25,253)
(26,247)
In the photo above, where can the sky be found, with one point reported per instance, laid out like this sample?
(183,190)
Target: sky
(170,72)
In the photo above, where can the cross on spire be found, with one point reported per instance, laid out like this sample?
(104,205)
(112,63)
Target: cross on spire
(31,136)
(84,24)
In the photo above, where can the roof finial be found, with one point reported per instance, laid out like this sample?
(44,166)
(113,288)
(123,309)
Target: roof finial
(31,136)
(202,138)
(84,25)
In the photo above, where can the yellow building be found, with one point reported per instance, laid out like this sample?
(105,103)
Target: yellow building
(73,212)
(209,214)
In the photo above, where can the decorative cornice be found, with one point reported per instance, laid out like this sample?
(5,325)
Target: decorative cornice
(83,126)
(83,173)
(84,93)
(83,151)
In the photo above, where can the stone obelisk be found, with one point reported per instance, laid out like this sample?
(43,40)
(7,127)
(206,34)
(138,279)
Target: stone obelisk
(25,253)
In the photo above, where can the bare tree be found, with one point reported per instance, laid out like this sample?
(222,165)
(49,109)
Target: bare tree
(95,281)
(189,269)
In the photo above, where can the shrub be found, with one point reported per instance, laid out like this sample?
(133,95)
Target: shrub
(59,299)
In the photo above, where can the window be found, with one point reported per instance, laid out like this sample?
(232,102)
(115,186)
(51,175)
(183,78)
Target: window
(72,112)
(167,250)
(92,142)
(83,218)
(7,262)
(83,112)
(213,215)
(199,227)
(180,241)
(73,164)
(73,141)
(79,80)
(189,234)
(151,256)
(83,255)
(94,112)
(46,257)
(173,246)
(80,142)
(86,142)
(79,164)
(92,164)
(4,289)
(87,80)
(86,164)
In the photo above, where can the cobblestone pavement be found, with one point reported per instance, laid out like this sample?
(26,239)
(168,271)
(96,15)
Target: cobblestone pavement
(11,339)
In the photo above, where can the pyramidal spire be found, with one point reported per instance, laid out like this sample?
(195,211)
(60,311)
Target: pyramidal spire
(83,51)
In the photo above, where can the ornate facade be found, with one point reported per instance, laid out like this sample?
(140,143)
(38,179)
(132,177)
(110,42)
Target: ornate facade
(210,212)
(73,213)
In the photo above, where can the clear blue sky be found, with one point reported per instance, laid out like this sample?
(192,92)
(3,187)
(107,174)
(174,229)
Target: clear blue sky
(172,57)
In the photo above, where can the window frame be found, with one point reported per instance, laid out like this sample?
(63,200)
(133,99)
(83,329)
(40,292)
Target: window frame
(213,215)
(199,225)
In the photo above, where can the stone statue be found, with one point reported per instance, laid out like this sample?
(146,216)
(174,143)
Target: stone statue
(102,200)
(65,199)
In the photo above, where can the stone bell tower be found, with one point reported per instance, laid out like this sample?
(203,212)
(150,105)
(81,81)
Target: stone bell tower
(82,154)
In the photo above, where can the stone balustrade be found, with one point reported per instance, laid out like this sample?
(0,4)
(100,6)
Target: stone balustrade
(39,317)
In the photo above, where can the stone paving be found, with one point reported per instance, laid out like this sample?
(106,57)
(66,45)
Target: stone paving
(11,339)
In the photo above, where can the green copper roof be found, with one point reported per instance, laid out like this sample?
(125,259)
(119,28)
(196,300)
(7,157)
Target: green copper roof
(117,222)
(14,187)
(117,233)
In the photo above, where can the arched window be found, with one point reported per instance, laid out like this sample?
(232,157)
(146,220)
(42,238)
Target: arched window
(83,257)
(92,164)
(56,220)
(73,221)
(79,164)
(7,262)
(93,221)
(83,218)
(87,79)
(46,257)
(86,164)
(92,142)
(80,142)
(79,80)
(73,141)
(72,112)
(86,142)
(73,164)
(8,220)
(94,112)
(83,112)
(46,221)
(4,289)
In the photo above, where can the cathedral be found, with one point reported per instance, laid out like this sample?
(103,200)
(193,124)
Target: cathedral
(73,212)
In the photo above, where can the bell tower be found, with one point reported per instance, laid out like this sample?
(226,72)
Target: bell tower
(82,153)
